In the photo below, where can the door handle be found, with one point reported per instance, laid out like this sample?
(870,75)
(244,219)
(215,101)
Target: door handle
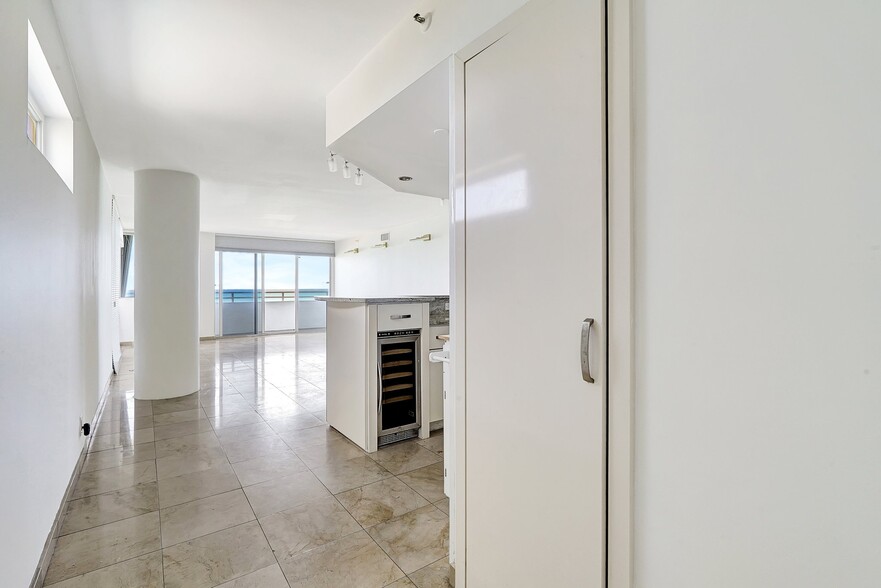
(397,317)
(379,393)
(585,350)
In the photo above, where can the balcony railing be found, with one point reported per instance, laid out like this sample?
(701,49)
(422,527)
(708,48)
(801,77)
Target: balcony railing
(247,296)
(283,310)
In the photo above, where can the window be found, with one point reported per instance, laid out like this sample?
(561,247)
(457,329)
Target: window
(35,126)
(127,275)
(49,124)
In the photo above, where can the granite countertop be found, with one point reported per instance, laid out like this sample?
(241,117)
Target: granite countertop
(388,300)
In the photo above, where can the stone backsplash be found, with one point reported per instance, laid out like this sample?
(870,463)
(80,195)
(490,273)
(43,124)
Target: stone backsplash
(438,311)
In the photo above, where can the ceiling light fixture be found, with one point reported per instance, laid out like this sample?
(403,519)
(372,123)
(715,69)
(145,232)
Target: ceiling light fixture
(359,177)
(347,171)
(331,163)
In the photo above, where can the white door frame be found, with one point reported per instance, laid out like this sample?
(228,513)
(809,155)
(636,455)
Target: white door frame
(621,288)
(620,283)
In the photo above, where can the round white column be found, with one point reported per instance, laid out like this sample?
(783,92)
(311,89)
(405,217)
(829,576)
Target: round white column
(166,284)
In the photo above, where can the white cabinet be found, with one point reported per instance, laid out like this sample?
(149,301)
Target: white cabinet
(352,397)
(436,378)
(436,395)
(348,351)
(534,237)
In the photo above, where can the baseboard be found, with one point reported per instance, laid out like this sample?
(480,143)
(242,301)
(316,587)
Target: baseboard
(210,338)
(126,344)
(436,425)
(52,539)
(49,547)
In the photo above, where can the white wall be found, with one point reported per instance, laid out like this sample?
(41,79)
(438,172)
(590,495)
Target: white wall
(758,272)
(406,53)
(206,284)
(403,268)
(126,320)
(54,347)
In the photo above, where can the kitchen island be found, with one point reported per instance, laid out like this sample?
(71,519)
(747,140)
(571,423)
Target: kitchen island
(379,383)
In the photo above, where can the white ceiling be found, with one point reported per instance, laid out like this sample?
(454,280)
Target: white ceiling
(233,92)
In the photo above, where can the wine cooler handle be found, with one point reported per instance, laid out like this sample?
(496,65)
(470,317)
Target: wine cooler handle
(379,392)
(585,350)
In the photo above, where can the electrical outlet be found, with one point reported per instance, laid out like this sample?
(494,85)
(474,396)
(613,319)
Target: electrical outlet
(384,237)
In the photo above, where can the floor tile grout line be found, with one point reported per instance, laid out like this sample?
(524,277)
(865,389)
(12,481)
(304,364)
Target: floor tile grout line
(107,566)
(263,531)
(414,489)
(116,466)
(161,546)
(211,532)
(423,567)
(387,554)
(208,535)
(115,489)
(109,522)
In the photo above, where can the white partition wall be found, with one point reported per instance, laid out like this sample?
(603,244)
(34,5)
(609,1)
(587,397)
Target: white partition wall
(167,266)
(758,281)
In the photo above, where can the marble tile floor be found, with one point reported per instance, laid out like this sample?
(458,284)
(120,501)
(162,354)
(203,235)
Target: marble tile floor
(243,484)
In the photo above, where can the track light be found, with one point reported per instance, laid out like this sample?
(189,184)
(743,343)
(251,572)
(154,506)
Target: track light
(331,163)
(359,177)
(347,171)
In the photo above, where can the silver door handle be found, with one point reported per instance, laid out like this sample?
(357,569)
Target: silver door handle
(585,350)
(397,317)
(379,392)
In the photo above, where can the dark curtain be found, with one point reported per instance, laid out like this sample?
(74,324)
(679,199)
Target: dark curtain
(127,243)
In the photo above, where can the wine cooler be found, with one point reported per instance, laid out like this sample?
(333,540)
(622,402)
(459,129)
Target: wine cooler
(398,385)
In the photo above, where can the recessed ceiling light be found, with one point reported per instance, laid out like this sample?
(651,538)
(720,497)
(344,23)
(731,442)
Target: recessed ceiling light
(405,178)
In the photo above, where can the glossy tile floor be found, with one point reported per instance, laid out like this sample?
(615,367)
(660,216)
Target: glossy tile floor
(244,485)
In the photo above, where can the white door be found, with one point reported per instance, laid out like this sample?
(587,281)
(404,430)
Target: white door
(534,270)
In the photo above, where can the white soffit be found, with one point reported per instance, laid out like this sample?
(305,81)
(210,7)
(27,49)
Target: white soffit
(264,245)
(407,136)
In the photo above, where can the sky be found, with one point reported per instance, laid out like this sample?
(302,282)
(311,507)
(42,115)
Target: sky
(238,271)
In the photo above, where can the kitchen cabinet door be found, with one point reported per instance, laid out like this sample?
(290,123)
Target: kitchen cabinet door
(436,391)
(534,225)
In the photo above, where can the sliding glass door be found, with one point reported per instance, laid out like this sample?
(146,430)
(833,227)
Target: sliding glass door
(269,292)
(313,279)
(279,294)
(239,288)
